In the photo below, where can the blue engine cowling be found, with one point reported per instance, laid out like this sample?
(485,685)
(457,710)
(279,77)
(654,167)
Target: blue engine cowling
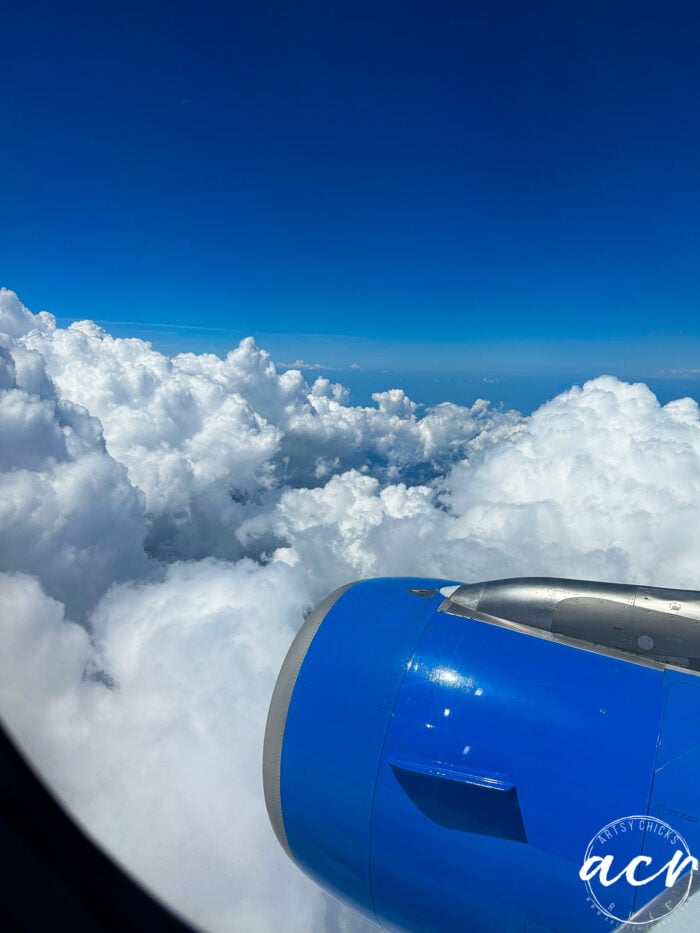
(441,772)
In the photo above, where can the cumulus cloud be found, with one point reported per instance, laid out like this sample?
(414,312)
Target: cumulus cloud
(207,439)
(162,762)
(68,512)
(165,523)
(16,320)
(600,482)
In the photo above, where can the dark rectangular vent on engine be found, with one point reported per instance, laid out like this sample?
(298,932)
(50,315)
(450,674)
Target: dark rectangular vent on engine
(471,803)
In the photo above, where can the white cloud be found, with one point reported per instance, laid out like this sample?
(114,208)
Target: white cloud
(132,487)
(202,437)
(68,512)
(164,763)
(600,482)
(16,320)
(302,364)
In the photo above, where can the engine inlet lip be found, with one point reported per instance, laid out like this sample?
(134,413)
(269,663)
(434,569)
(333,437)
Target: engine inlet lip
(279,707)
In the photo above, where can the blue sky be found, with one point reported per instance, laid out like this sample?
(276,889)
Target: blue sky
(400,185)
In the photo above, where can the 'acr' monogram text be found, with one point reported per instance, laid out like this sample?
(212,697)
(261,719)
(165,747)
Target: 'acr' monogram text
(601,866)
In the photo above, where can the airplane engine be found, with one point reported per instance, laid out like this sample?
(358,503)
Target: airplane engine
(442,756)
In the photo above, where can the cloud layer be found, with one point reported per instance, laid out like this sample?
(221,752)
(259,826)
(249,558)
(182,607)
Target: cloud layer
(165,523)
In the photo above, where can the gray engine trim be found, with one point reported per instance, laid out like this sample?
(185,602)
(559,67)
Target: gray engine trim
(279,707)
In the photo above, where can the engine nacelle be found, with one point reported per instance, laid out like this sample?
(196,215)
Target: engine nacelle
(440,756)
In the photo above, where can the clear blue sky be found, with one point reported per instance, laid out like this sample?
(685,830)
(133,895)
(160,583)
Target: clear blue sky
(409,182)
